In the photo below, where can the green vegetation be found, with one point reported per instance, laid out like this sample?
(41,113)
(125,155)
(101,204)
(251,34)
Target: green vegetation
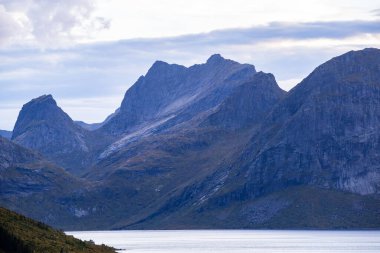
(21,234)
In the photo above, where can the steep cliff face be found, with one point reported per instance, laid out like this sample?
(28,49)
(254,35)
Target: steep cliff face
(169,89)
(311,162)
(248,104)
(324,133)
(45,127)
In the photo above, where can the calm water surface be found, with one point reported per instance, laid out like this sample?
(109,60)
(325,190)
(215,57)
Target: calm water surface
(239,241)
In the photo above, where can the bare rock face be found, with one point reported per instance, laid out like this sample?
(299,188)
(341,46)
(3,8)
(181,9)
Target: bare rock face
(325,132)
(170,90)
(45,127)
(248,104)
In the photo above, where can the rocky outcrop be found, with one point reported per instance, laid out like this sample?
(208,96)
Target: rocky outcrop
(45,127)
(248,104)
(174,90)
(325,132)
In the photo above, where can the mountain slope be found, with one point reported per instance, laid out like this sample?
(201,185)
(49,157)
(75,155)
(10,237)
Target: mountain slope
(35,187)
(151,169)
(323,134)
(174,91)
(296,207)
(248,104)
(21,234)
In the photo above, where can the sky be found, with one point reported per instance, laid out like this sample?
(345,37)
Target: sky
(87,53)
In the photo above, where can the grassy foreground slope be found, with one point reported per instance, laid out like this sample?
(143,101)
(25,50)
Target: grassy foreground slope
(21,234)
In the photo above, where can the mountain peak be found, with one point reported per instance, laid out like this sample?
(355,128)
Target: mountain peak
(159,63)
(43,126)
(215,58)
(366,53)
(43,109)
(43,99)
(161,67)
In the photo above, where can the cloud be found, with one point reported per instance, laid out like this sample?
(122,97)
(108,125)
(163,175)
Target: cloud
(104,71)
(10,28)
(47,23)
(275,30)
(376,12)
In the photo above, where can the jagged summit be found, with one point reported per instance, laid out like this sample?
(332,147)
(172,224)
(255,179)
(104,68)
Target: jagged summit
(215,58)
(42,110)
(158,65)
(170,88)
(42,102)
(218,59)
(160,68)
(43,98)
(45,127)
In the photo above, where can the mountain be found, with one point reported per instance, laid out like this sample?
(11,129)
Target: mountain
(21,234)
(6,134)
(312,162)
(174,93)
(219,145)
(45,127)
(325,132)
(149,164)
(151,169)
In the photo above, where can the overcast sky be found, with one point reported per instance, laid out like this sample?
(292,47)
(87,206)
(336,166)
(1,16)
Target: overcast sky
(88,53)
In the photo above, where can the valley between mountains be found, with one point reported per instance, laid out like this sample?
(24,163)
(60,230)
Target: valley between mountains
(215,145)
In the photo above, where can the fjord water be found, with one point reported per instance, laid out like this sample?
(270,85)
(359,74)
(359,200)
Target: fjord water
(235,241)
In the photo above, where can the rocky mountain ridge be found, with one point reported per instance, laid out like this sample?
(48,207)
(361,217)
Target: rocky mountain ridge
(219,145)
